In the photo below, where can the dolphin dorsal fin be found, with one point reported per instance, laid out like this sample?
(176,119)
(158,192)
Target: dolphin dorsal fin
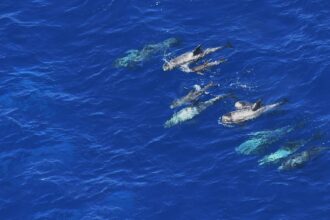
(256,105)
(198,50)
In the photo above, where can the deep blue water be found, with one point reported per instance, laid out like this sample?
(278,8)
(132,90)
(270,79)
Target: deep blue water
(81,139)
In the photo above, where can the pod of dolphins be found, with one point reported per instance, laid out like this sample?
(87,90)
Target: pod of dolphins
(286,156)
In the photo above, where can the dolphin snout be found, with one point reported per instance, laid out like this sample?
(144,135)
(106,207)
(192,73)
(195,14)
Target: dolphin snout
(166,67)
(226,119)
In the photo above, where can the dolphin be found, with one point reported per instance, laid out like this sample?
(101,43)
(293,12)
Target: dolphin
(191,56)
(201,68)
(261,140)
(190,112)
(245,112)
(192,96)
(298,160)
(281,153)
(134,57)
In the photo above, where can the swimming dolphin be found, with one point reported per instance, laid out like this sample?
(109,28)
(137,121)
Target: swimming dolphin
(281,153)
(190,112)
(300,159)
(192,96)
(287,150)
(247,112)
(135,57)
(191,56)
(201,68)
(261,140)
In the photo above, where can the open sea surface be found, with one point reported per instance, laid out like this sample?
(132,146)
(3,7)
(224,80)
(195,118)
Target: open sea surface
(83,140)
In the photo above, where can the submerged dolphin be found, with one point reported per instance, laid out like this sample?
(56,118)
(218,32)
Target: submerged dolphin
(191,111)
(298,160)
(135,57)
(281,153)
(261,140)
(192,96)
(247,112)
(201,68)
(191,56)
(285,151)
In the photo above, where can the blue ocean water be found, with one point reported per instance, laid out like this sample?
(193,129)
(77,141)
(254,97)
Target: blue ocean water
(81,139)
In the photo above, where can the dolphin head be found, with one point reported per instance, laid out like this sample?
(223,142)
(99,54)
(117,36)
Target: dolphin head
(197,87)
(167,66)
(242,105)
(175,104)
(227,119)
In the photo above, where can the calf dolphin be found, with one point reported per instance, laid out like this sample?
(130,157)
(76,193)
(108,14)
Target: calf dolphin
(190,112)
(192,96)
(191,56)
(247,112)
(300,159)
(201,68)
